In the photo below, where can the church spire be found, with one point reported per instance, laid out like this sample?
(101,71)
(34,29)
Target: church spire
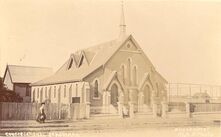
(122,22)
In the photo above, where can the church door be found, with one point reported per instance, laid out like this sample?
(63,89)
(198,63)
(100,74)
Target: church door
(147,95)
(114,95)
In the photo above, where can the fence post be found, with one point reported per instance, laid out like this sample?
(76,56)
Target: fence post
(131,110)
(87,110)
(76,111)
(188,113)
(120,110)
(59,110)
(164,109)
(154,109)
(69,111)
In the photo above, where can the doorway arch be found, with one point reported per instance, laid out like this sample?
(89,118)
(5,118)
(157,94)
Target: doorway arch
(114,95)
(147,95)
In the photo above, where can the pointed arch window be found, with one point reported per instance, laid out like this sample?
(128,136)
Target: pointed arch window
(54,91)
(123,73)
(45,92)
(96,93)
(64,91)
(70,93)
(134,75)
(33,95)
(158,92)
(49,94)
(41,94)
(129,70)
(38,93)
(76,90)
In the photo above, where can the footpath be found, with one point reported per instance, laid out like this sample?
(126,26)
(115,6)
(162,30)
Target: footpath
(101,124)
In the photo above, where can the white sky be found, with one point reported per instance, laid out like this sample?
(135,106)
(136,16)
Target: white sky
(182,39)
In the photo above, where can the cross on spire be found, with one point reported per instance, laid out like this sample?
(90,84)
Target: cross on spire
(122,22)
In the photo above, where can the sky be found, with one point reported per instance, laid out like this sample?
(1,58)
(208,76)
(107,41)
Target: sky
(181,38)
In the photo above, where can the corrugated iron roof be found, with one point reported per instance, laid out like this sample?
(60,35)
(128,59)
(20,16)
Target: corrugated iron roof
(96,55)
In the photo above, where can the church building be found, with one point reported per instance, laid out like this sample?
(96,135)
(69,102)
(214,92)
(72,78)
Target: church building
(108,77)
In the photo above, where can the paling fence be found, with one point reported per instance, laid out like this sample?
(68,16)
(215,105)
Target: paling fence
(177,107)
(29,111)
(206,107)
(194,107)
(202,98)
(182,91)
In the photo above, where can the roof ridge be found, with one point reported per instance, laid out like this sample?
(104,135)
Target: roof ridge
(30,66)
(95,45)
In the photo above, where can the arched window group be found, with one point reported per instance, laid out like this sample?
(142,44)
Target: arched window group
(129,73)
(46,93)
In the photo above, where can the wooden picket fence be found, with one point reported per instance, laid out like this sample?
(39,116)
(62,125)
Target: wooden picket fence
(195,107)
(206,107)
(29,111)
(176,106)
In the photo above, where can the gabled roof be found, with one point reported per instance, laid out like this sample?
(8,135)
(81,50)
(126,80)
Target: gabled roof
(97,56)
(145,78)
(27,74)
(110,79)
(161,77)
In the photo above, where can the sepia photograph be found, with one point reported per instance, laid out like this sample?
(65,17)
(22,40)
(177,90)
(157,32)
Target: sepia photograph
(110,68)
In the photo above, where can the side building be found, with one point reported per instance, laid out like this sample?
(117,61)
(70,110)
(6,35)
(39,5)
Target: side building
(18,78)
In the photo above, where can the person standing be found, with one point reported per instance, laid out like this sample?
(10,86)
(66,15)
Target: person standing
(41,115)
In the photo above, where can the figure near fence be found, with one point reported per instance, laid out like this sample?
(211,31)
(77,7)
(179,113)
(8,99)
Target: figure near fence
(41,115)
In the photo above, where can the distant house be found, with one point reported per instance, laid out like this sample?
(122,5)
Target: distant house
(18,78)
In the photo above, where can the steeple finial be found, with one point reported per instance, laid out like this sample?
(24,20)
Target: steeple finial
(122,22)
